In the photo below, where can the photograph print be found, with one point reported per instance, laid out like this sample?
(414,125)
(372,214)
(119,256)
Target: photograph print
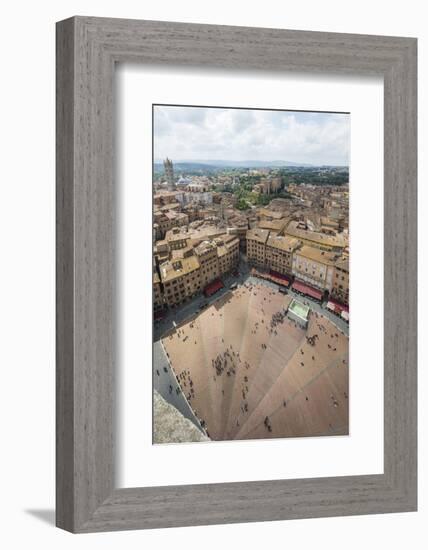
(250,273)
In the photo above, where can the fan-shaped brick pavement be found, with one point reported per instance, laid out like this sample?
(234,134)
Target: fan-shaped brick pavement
(250,372)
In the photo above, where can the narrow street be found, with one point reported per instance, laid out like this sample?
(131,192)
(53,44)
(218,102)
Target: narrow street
(165,384)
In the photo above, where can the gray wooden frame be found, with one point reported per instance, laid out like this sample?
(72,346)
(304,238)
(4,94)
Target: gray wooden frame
(87,50)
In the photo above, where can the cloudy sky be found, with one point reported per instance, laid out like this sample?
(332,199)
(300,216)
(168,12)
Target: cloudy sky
(200,133)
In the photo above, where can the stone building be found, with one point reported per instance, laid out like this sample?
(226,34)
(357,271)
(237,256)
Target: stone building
(256,246)
(158,302)
(340,288)
(316,239)
(279,253)
(314,267)
(193,264)
(167,219)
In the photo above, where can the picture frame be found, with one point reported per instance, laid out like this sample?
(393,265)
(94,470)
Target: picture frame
(87,51)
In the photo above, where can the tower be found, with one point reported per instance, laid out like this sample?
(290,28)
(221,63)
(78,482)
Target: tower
(169,173)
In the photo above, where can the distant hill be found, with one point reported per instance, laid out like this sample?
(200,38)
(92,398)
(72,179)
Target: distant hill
(216,164)
(189,167)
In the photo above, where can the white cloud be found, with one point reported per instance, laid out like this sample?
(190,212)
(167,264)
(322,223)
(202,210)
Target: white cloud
(202,133)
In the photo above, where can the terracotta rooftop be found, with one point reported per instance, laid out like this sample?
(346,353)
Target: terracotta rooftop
(337,241)
(172,269)
(259,235)
(283,242)
(315,254)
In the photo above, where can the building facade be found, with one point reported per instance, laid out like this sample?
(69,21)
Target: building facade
(279,253)
(166,220)
(340,288)
(268,250)
(191,267)
(314,267)
(256,246)
(158,302)
(180,280)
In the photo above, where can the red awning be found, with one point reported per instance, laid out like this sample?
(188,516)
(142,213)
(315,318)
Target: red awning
(159,314)
(281,282)
(279,276)
(308,290)
(338,307)
(213,287)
